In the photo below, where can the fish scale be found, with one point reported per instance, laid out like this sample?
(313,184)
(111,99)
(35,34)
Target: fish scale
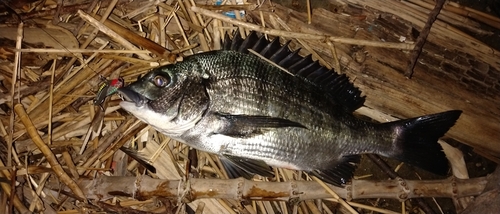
(254,114)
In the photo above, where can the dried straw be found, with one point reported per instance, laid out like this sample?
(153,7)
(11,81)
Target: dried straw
(51,158)
(296,35)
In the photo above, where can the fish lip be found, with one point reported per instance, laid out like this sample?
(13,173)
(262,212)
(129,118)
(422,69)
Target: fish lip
(130,95)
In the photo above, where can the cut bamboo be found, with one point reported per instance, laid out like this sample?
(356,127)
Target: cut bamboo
(280,191)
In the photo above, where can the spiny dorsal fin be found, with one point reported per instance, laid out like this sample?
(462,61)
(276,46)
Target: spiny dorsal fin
(338,86)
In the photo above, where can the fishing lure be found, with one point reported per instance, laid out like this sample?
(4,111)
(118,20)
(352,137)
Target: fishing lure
(108,88)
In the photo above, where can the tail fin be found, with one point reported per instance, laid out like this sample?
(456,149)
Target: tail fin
(416,140)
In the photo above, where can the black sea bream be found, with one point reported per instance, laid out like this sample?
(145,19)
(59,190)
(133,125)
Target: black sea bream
(272,107)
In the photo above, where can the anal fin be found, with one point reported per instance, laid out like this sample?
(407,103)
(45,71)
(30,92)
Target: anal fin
(340,173)
(244,167)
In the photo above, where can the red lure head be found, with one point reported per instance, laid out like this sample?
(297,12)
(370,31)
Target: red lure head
(107,89)
(117,83)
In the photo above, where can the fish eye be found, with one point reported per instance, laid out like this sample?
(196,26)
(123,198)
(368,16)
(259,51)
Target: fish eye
(161,81)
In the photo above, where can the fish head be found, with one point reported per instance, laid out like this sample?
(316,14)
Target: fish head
(170,98)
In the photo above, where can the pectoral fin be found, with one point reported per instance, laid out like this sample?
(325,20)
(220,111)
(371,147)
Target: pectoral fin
(243,167)
(249,125)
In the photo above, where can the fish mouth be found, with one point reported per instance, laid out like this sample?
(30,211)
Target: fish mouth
(130,95)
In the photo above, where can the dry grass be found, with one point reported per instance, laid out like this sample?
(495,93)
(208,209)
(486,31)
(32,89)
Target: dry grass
(56,141)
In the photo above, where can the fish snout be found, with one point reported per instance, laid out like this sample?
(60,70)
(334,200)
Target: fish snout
(128,94)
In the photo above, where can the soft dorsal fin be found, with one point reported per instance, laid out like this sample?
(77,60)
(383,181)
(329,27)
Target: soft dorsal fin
(336,85)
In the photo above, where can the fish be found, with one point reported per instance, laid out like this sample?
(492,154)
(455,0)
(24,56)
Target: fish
(257,104)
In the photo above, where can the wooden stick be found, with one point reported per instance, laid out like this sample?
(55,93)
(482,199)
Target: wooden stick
(140,41)
(404,46)
(51,158)
(424,33)
(17,68)
(279,191)
(106,30)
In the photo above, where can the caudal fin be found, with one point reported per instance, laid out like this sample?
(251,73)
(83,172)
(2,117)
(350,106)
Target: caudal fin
(416,140)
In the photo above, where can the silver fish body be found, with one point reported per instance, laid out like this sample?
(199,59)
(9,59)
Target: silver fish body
(253,113)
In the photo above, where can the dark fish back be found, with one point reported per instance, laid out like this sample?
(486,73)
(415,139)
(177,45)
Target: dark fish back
(336,85)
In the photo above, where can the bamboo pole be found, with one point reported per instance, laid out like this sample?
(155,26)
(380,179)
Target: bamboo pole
(102,188)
